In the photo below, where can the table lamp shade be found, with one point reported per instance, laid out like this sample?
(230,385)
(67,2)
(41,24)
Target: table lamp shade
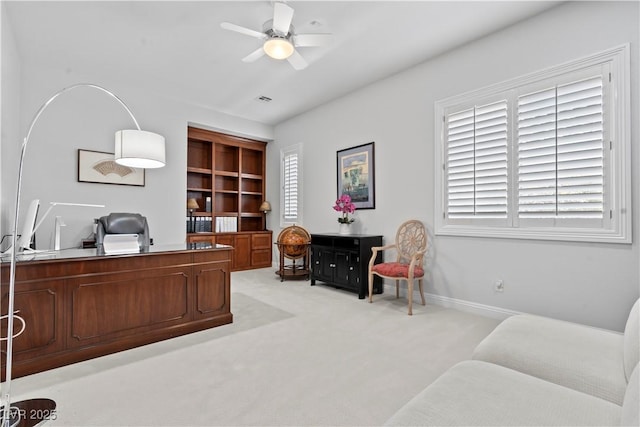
(265,207)
(139,149)
(192,204)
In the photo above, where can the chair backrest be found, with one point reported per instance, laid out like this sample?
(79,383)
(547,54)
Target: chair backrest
(123,223)
(410,238)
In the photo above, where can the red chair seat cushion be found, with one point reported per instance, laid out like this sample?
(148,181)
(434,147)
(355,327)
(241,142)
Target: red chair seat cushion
(396,269)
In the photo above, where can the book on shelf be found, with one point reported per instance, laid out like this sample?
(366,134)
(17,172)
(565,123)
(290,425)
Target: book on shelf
(226,224)
(200,224)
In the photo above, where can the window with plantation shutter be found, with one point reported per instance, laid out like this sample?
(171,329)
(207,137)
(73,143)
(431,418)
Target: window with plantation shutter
(543,156)
(561,151)
(291,187)
(477,162)
(290,178)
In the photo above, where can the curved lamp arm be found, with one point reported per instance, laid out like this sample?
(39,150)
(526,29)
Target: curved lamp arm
(67,89)
(157,160)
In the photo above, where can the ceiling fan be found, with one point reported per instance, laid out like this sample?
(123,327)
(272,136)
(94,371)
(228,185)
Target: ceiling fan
(279,39)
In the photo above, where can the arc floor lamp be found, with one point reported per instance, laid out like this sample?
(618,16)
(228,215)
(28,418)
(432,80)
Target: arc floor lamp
(134,148)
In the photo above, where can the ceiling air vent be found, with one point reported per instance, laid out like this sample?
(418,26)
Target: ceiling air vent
(263,98)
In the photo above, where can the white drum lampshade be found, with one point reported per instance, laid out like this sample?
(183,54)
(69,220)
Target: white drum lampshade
(139,149)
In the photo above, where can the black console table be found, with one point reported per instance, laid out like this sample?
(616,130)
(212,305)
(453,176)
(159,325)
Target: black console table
(343,261)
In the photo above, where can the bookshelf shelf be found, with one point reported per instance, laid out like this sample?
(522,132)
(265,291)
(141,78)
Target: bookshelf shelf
(199,170)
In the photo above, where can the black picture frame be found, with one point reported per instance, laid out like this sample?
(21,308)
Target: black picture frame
(356,175)
(100,167)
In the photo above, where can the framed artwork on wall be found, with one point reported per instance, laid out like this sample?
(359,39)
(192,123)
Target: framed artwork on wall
(356,175)
(99,167)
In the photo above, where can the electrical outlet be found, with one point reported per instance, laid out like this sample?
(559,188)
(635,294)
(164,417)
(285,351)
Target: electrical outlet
(498,286)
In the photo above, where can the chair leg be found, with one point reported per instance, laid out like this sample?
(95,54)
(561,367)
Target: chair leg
(397,289)
(410,295)
(421,291)
(370,286)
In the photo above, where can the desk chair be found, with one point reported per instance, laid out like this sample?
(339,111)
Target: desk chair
(123,223)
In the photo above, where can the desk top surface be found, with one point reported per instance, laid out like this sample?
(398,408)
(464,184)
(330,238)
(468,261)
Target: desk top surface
(99,253)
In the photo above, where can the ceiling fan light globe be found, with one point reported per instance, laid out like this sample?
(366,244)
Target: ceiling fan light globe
(278,48)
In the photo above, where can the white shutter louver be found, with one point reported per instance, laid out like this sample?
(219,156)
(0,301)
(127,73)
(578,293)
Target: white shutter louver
(561,151)
(290,184)
(477,175)
(460,165)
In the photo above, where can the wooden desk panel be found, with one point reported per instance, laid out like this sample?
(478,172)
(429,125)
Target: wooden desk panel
(78,308)
(210,299)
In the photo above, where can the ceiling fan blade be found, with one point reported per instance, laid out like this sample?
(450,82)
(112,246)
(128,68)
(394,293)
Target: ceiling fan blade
(307,40)
(297,61)
(254,56)
(242,30)
(282,16)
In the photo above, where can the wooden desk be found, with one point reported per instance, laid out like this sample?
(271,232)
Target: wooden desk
(80,304)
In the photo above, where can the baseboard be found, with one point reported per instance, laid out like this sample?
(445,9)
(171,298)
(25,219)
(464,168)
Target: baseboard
(462,305)
(471,307)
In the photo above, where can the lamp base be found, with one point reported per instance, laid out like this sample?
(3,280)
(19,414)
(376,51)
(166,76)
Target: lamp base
(30,413)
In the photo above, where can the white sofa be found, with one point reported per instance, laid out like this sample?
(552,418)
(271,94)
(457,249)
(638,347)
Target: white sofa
(537,371)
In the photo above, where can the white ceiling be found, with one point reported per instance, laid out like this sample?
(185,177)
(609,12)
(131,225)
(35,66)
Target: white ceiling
(179,49)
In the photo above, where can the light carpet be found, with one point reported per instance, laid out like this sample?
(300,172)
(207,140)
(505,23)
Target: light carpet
(295,355)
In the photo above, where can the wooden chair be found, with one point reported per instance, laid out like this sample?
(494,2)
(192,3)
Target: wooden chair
(410,246)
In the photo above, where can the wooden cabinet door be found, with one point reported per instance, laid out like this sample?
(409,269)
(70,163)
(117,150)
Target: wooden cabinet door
(354,270)
(261,250)
(242,252)
(315,263)
(341,275)
(327,264)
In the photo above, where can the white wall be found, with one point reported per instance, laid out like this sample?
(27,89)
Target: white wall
(594,284)
(9,112)
(87,119)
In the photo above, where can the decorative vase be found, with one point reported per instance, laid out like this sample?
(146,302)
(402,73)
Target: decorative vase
(344,228)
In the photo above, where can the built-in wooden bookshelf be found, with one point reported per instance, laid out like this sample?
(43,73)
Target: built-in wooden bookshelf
(226,177)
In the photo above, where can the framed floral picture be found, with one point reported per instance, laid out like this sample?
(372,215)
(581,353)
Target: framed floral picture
(356,175)
(99,167)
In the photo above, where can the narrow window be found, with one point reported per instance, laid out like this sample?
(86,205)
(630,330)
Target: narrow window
(290,179)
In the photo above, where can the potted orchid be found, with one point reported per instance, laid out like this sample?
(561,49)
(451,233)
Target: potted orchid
(346,207)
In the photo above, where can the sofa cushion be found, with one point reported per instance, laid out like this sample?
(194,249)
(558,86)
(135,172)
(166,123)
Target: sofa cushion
(632,340)
(479,393)
(631,405)
(576,356)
